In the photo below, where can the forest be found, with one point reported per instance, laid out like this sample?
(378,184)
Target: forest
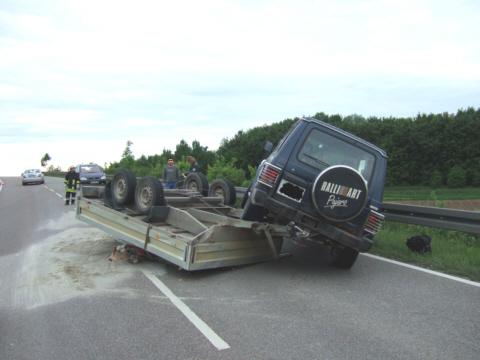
(435,150)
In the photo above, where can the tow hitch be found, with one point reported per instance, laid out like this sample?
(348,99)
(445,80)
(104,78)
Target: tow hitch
(296,232)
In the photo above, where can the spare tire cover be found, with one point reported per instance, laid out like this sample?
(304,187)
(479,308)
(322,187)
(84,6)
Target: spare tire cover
(339,193)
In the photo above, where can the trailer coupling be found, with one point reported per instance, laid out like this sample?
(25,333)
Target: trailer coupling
(296,232)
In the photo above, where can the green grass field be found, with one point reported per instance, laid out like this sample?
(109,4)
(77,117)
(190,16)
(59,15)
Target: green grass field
(425,193)
(453,252)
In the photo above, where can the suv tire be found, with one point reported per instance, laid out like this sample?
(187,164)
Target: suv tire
(339,193)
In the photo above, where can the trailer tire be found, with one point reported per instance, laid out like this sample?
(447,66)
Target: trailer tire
(197,181)
(223,188)
(107,196)
(124,183)
(343,258)
(149,192)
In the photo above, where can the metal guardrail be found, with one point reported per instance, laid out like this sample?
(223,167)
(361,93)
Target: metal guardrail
(240,192)
(441,218)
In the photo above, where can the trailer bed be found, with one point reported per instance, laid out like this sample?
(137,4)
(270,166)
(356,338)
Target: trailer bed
(191,232)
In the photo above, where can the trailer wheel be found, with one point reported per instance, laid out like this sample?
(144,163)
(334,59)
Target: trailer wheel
(123,186)
(148,193)
(223,188)
(107,196)
(343,258)
(198,182)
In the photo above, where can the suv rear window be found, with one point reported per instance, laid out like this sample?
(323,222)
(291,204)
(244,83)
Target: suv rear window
(321,150)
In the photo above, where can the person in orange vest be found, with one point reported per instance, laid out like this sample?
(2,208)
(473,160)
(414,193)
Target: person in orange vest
(72,179)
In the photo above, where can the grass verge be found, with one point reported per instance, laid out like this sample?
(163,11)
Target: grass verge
(453,252)
(413,193)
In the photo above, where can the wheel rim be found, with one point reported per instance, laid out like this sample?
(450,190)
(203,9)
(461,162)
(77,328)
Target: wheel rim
(120,188)
(145,195)
(218,192)
(193,185)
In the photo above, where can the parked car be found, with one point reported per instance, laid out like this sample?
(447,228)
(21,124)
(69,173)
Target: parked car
(91,174)
(32,176)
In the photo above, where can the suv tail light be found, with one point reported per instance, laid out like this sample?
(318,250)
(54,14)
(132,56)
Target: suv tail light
(374,223)
(269,174)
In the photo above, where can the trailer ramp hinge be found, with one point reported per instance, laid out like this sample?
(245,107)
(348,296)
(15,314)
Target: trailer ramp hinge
(147,240)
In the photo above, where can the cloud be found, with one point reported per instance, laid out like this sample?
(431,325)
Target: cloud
(91,75)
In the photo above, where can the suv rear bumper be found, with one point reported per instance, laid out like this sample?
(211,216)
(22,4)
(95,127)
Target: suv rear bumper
(362,244)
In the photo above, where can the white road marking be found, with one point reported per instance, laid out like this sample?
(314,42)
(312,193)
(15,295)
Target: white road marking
(216,340)
(465,281)
(56,193)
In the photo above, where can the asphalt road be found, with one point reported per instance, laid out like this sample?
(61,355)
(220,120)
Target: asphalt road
(61,298)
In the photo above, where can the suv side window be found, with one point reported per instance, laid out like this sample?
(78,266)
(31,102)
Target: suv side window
(321,150)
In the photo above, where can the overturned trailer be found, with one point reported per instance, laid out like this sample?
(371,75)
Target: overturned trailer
(188,229)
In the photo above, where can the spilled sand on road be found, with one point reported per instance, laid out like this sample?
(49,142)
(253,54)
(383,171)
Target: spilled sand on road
(73,262)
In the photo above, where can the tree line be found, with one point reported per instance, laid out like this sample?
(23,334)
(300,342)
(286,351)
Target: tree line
(427,150)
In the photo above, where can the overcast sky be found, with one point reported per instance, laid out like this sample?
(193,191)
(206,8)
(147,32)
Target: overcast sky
(78,79)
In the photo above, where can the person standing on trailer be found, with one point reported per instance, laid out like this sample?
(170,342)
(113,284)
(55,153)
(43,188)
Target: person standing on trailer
(72,179)
(171,173)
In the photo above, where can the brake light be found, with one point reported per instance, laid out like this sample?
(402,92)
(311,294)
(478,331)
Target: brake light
(374,222)
(40,175)
(269,174)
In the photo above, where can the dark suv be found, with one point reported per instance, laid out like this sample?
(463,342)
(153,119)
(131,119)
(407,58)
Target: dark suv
(91,174)
(326,185)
